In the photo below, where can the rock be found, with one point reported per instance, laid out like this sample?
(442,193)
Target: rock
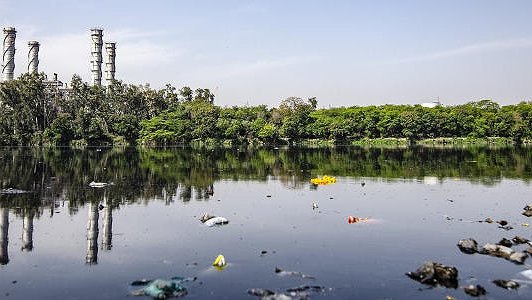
(488,220)
(496,250)
(505,242)
(528,211)
(502,222)
(529,251)
(506,284)
(468,246)
(520,240)
(475,290)
(504,252)
(432,273)
(518,257)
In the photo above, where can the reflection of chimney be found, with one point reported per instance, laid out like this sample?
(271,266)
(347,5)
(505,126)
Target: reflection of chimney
(4,228)
(92,235)
(33,57)
(8,57)
(110,68)
(96,56)
(27,232)
(107,243)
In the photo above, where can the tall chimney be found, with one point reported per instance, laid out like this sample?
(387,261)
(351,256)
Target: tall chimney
(110,68)
(96,56)
(8,57)
(33,57)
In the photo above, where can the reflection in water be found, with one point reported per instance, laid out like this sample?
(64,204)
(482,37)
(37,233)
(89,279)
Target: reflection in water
(27,231)
(107,242)
(4,228)
(140,175)
(92,235)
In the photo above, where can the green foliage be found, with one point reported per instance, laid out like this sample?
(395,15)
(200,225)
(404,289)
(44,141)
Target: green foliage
(34,111)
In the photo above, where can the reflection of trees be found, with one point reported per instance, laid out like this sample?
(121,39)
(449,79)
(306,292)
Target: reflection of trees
(141,175)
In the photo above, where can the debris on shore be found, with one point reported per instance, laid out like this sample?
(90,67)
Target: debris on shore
(432,273)
(527,211)
(506,284)
(475,290)
(502,249)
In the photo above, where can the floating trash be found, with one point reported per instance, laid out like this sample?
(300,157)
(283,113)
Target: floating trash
(161,288)
(210,220)
(323,180)
(93,184)
(299,292)
(219,261)
(352,219)
(282,272)
(12,191)
(527,274)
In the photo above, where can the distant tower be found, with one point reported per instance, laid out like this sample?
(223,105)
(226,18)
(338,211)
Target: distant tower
(96,56)
(33,57)
(110,68)
(8,57)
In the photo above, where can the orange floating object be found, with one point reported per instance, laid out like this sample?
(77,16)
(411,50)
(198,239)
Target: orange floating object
(352,219)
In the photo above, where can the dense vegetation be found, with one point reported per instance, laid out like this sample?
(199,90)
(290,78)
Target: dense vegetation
(33,112)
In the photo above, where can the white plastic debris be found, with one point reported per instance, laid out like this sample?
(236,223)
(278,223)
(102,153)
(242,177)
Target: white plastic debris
(527,274)
(216,221)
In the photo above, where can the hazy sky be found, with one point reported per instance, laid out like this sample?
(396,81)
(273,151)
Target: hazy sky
(259,52)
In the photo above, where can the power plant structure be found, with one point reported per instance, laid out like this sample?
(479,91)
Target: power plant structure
(110,68)
(96,58)
(8,55)
(33,57)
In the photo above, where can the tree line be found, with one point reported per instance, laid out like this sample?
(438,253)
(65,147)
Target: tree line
(33,112)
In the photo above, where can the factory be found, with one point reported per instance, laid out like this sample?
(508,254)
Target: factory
(96,58)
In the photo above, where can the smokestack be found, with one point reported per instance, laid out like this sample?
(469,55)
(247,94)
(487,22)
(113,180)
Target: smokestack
(110,68)
(33,57)
(96,56)
(8,66)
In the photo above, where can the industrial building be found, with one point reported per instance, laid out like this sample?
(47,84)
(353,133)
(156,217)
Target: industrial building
(96,58)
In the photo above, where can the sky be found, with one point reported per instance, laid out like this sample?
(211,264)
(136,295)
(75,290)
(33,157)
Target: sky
(250,52)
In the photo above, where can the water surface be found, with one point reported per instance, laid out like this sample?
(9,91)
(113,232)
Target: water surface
(64,239)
